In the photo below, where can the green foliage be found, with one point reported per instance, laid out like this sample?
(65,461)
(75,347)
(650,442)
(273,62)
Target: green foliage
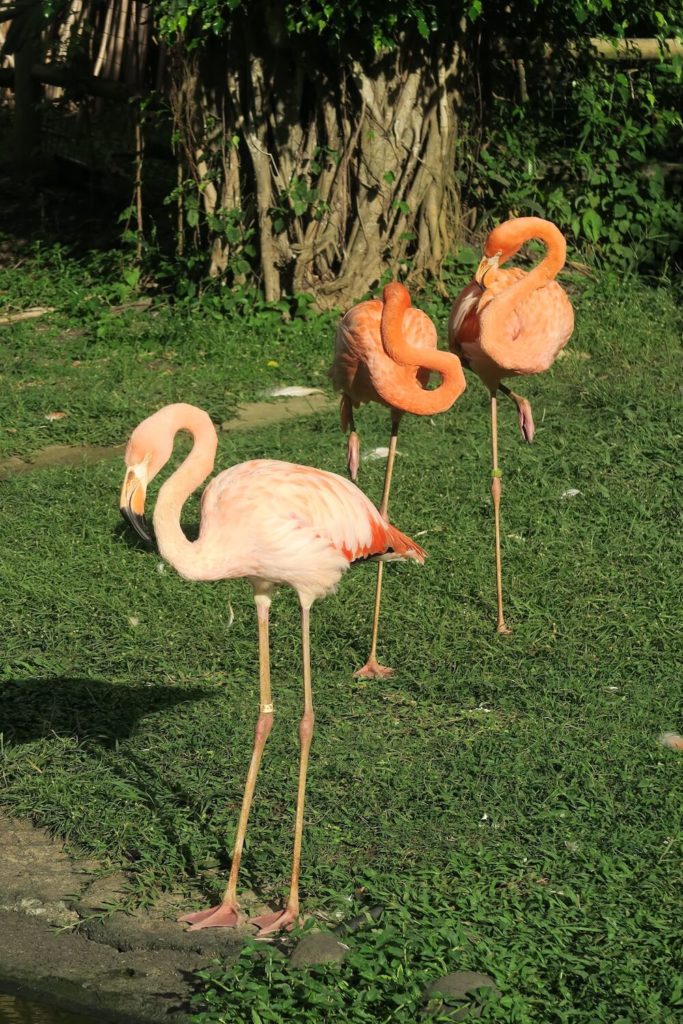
(383,23)
(593,147)
(381,979)
(370,21)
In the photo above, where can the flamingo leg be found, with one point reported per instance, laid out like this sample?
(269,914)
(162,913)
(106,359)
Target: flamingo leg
(372,668)
(525,416)
(227,913)
(288,917)
(353,442)
(496,486)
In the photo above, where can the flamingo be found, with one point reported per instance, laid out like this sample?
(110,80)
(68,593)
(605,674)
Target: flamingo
(385,352)
(508,322)
(270,522)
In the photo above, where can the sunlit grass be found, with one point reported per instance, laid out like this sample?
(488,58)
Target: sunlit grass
(509,789)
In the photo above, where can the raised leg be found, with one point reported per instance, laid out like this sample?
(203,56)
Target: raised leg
(524,414)
(496,475)
(353,443)
(286,918)
(227,913)
(372,668)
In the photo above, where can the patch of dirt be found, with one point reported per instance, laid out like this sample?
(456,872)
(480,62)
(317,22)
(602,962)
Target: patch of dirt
(60,455)
(262,414)
(60,940)
(249,416)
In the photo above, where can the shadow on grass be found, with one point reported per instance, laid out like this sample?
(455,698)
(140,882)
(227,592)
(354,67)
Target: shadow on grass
(124,532)
(90,710)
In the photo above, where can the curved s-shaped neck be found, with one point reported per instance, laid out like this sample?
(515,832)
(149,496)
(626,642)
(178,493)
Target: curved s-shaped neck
(415,398)
(514,233)
(172,542)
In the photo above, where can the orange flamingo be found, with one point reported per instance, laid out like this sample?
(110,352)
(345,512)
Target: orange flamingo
(385,352)
(270,522)
(508,322)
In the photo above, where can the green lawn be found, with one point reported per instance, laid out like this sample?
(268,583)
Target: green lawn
(504,798)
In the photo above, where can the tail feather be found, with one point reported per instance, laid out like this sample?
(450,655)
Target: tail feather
(389,545)
(401,546)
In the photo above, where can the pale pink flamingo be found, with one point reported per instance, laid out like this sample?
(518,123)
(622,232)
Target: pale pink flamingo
(385,352)
(508,322)
(270,522)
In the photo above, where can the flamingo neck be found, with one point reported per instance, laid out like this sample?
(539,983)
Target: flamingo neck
(173,545)
(550,265)
(415,398)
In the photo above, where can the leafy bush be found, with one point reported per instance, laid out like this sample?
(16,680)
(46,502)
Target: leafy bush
(589,143)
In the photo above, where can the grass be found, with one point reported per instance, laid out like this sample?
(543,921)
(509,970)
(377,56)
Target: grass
(504,799)
(104,363)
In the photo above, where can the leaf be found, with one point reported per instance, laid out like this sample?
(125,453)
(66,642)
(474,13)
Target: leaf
(592,224)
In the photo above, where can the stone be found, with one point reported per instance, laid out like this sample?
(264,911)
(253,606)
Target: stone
(317,948)
(453,996)
(104,893)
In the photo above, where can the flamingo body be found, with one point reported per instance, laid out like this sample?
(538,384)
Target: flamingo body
(364,371)
(282,523)
(385,352)
(507,323)
(271,522)
(526,341)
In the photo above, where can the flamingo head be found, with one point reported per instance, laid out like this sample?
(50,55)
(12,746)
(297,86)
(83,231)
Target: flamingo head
(488,265)
(501,245)
(149,449)
(132,501)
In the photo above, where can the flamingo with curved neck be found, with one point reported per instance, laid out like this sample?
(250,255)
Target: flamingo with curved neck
(270,522)
(385,352)
(508,322)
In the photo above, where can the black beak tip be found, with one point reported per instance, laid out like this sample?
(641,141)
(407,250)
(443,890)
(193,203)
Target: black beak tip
(139,524)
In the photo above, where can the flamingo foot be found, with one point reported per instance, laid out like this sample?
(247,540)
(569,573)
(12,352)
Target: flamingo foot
(525,419)
(373,670)
(353,455)
(225,915)
(503,629)
(280,920)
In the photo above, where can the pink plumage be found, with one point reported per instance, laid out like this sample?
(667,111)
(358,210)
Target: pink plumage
(506,323)
(284,523)
(385,351)
(270,522)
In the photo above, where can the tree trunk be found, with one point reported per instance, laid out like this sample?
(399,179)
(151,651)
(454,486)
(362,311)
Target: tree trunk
(27,133)
(340,171)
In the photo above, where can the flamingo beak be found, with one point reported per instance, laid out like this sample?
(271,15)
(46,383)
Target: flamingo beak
(132,501)
(487,264)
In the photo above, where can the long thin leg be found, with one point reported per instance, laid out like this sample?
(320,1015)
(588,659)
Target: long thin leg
(353,443)
(525,416)
(282,919)
(372,668)
(496,474)
(227,913)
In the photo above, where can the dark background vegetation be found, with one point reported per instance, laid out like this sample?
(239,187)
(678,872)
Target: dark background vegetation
(304,151)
